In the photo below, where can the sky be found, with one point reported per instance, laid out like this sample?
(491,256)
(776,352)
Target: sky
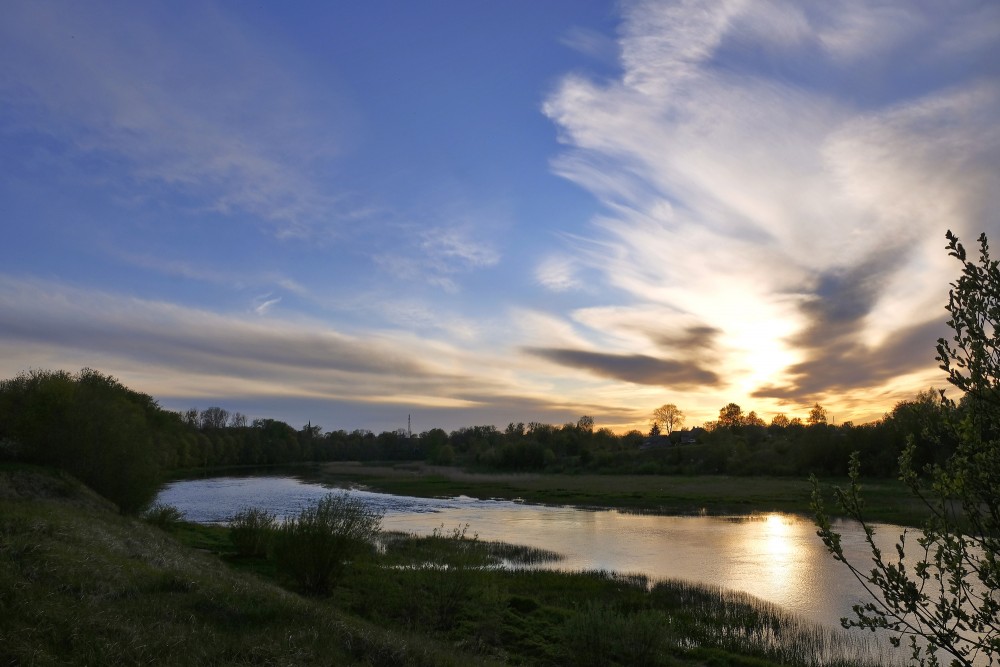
(468,213)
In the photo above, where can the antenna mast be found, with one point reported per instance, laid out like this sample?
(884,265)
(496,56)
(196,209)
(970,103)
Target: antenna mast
(409,427)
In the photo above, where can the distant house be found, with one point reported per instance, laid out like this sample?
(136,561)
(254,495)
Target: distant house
(654,442)
(692,436)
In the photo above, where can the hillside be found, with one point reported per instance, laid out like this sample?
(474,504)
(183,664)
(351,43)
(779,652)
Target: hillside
(81,584)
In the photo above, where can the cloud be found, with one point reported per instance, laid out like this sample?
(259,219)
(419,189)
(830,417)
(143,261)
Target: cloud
(636,368)
(455,246)
(264,303)
(184,355)
(783,190)
(844,364)
(441,254)
(183,98)
(590,43)
(236,279)
(558,274)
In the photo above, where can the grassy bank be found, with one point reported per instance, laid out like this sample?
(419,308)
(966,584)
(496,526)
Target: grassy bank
(81,584)
(888,500)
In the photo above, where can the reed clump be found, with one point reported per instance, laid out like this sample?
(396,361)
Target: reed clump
(251,531)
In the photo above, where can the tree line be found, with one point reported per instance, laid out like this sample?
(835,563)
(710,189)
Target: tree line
(122,443)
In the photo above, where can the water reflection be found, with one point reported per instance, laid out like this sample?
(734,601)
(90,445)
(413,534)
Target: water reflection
(776,557)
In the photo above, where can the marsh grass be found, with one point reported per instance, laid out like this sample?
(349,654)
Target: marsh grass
(737,622)
(81,584)
(443,547)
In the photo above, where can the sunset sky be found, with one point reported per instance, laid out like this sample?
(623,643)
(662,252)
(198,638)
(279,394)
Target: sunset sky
(484,212)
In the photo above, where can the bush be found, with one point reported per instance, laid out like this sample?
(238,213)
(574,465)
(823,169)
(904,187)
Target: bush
(251,531)
(314,547)
(165,517)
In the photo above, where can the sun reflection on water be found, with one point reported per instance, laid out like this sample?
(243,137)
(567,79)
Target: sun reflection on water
(776,543)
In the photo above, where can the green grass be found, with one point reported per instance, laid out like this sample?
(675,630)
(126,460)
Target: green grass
(888,500)
(81,584)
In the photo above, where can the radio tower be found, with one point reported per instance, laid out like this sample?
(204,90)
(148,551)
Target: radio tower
(409,427)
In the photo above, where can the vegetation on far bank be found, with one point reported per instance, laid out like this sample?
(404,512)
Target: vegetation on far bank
(81,584)
(121,443)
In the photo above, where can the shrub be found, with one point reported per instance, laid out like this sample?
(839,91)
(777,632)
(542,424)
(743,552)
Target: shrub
(314,547)
(251,530)
(165,517)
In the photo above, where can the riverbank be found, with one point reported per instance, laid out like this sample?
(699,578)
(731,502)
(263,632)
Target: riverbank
(85,585)
(887,500)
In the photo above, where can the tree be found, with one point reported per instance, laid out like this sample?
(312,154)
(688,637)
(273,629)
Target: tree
(190,417)
(817,415)
(669,417)
(585,423)
(947,595)
(88,424)
(731,416)
(214,418)
(753,419)
(780,420)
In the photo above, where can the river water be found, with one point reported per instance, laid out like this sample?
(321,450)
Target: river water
(776,557)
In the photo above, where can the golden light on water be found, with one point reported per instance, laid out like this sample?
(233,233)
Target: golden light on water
(775,544)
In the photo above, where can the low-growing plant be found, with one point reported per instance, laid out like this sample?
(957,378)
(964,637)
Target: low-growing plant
(600,635)
(251,530)
(446,585)
(165,517)
(314,547)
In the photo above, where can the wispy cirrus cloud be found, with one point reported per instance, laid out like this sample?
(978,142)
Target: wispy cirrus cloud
(180,97)
(439,256)
(186,354)
(210,274)
(771,175)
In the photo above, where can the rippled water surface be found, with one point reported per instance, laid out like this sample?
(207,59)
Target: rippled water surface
(777,557)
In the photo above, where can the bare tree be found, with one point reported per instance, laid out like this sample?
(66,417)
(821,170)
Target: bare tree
(669,417)
(214,417)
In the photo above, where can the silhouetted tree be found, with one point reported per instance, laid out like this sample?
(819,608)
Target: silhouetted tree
(731,416)
(817,415)
(669,416)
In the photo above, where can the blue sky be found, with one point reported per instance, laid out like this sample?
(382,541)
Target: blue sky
(475,212)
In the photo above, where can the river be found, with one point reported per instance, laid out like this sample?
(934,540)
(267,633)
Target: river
(776,557)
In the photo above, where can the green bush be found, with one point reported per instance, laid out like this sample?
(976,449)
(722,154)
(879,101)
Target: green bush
(165,517)
(314,547)
(251,531)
